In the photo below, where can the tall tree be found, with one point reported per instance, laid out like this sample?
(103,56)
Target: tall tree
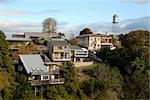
(7,83)
(49,25)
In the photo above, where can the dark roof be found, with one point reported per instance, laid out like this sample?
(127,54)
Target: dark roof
(18,39)
(59,43)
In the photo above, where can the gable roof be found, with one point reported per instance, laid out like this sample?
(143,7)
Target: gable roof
(33,63)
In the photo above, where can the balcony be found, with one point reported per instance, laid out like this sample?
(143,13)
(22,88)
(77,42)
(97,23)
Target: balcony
(49,82)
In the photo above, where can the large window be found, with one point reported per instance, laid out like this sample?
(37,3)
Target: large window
(45,77)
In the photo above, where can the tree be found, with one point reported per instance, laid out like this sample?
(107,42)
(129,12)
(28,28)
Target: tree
(49,25)
(105,78)
(7,75)
(69,72)
(137,42)
(23,89)
(73,41)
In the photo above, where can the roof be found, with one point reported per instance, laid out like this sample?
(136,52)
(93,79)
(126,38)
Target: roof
(33,64)
(95,35)
(59,43)
(77,48)
(18,39)
(74,47)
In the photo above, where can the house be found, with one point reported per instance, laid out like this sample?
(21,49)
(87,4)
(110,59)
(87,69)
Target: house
(59,51)
(43,35)
(40,35)
(79,56)
(18,36)
(15,43)
(38,73)
(94,41)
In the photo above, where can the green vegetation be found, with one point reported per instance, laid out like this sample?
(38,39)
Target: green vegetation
(23,90)
(123,74)
(7,75)
(133,63)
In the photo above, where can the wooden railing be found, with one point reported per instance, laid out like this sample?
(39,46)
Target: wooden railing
(48,82)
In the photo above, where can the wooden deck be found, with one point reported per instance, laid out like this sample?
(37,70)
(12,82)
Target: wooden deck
(49,82)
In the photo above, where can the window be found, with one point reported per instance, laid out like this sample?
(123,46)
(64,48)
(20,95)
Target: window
(109,40)
(103,40)
(56,52)
(66,55)
(78,59)
(45,77)
(59,47)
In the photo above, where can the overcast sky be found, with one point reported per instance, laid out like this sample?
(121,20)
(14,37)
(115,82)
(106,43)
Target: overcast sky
(18,16)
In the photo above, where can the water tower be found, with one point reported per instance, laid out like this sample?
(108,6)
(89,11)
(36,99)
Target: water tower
(115,27)
(115,19)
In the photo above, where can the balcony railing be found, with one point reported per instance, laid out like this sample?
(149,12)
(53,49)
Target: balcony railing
(49,82)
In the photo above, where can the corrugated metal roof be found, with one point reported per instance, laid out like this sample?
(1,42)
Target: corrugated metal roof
(33,63)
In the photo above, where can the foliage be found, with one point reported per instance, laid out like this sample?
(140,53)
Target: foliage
(137,42)
(135,39)
(7,84)
(69,72)
(137,84)
(31,48)
(49,25)
(133,63)
(23,89)
(73,41)
(104,78)
(70,90)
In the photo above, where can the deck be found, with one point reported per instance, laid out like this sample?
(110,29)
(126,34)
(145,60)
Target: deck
(49,82)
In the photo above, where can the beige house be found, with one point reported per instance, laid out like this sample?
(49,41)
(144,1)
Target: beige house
(94,41)
(59,51)
(79,56)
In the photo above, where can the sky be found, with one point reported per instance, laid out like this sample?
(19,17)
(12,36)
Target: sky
(19,16)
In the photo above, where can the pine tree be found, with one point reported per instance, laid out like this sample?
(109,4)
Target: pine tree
(7,74)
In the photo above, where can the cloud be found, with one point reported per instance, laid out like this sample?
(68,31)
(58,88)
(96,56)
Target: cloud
(6,1)
(125,26)
(13,12)
(13,26)
(138,1)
